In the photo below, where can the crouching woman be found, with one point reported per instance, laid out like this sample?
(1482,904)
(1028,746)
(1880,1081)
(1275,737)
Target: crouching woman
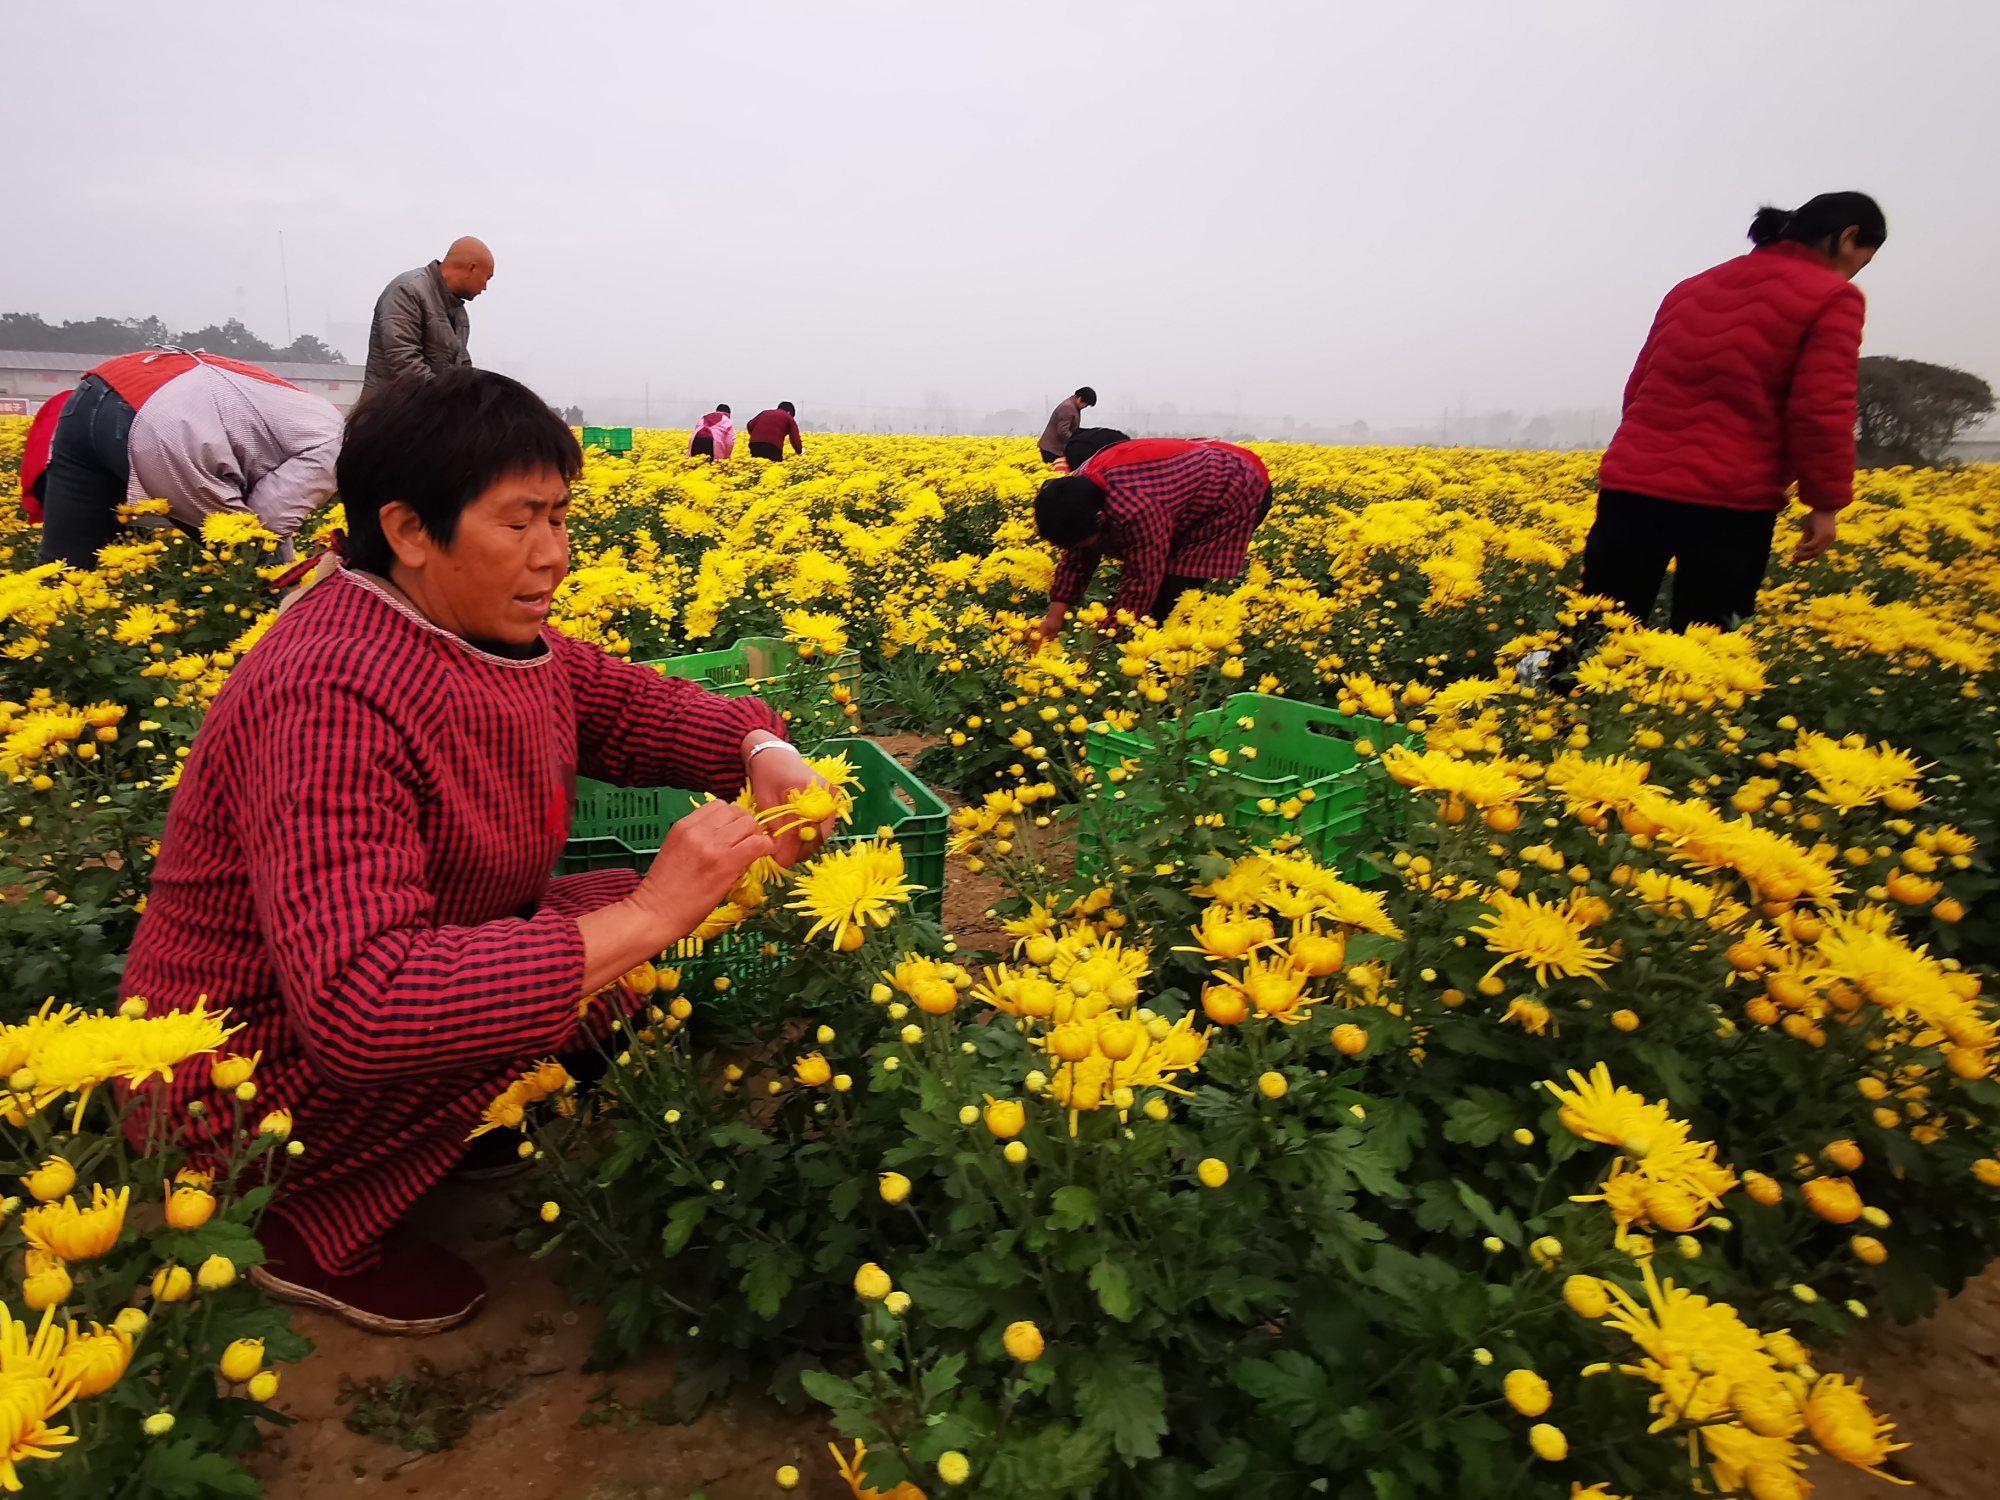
(357,860)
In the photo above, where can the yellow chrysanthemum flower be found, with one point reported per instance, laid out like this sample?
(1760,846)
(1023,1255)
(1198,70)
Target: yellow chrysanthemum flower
(845,890)
(1541,936)
(70,1233)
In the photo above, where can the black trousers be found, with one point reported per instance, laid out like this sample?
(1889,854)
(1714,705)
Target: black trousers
(701,445)
(1719,557)
(773,451)
(88,471)
(1171,589)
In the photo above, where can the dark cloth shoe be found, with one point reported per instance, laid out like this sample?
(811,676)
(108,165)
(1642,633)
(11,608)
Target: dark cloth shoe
(417,1287)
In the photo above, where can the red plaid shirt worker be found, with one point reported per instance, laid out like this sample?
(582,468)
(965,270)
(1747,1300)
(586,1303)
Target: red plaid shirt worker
(1173,511)
(357,861)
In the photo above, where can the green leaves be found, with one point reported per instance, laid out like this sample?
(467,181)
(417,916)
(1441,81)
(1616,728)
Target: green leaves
(1114,1290)
(180,1468)
(853,1407)
(1293,1390)
(1074,1208)
(1481,1117)
(772,1270)
(221,1235)
(682,1220)
(1053,1463)
(1121,1399)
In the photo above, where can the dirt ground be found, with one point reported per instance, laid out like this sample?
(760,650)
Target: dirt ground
(1939,1381)
(526,1348)
(967,897)
(521,1360)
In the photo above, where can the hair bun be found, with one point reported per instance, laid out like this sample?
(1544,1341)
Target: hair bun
(1769,226)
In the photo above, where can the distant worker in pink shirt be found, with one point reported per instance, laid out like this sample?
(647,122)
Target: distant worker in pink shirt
(768,431)
(714,437)
(203,433)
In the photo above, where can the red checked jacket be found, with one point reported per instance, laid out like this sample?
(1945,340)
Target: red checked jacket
(1171,506)
(1746,383)
(357,866)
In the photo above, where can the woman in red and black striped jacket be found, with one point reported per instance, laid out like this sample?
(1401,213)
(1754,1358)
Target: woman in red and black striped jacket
(1174,511)
(1746,385)
(356,864)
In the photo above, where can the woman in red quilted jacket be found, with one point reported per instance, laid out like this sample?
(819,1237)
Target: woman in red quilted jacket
(1746,386)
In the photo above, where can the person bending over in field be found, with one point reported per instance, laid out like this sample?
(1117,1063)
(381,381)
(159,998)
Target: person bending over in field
(768,431)
(207,435)
(1745,384)
(1063,424)
(714,437)
(1175,512)
(356,864)
(1084,444)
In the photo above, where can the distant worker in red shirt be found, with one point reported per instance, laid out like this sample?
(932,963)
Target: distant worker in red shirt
(1175,512)
(1746,385)
(768,430)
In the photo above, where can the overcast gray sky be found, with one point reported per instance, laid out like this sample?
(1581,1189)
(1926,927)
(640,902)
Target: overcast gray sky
(1332,211)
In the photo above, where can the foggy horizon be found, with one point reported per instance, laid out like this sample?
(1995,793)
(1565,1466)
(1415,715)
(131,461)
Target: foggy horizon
(1303,214)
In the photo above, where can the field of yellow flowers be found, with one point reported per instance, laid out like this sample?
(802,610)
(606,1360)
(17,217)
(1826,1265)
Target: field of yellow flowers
(1405,1076)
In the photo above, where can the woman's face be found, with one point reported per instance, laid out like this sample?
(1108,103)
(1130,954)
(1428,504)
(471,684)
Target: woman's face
(1848,255)
(496,580)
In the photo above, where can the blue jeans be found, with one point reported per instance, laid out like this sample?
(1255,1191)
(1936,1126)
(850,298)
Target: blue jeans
(88,470)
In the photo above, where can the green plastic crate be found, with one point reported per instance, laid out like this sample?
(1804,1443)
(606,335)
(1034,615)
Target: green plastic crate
(1299,746)
(621,828)
(610,439)
(738,671)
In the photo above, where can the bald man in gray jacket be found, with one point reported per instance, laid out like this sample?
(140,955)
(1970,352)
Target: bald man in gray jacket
(420,326)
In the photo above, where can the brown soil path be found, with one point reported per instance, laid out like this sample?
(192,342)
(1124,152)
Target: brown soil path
(967,897)
(1939,1381)
(527,1345)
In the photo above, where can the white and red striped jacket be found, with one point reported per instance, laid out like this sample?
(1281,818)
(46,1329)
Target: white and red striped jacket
(214,434)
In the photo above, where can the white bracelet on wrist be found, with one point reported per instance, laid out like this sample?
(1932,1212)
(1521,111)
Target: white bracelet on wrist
(762,745)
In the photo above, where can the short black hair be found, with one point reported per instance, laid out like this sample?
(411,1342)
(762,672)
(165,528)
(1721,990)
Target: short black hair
(1087,442)
(722,408)
(1068,510)
(1086,395)
(788,409)
(1820,219)
(437,445)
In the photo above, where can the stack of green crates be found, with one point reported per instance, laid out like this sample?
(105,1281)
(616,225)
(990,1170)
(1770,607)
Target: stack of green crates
(621,828)
(1298,745)
(610,439)
(739,670)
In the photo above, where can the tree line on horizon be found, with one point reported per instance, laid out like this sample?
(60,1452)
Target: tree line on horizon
(108,336)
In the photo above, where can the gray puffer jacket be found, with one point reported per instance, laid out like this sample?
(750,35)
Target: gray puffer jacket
(420,328)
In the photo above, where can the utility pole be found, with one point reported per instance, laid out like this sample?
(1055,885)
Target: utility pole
(285,280)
